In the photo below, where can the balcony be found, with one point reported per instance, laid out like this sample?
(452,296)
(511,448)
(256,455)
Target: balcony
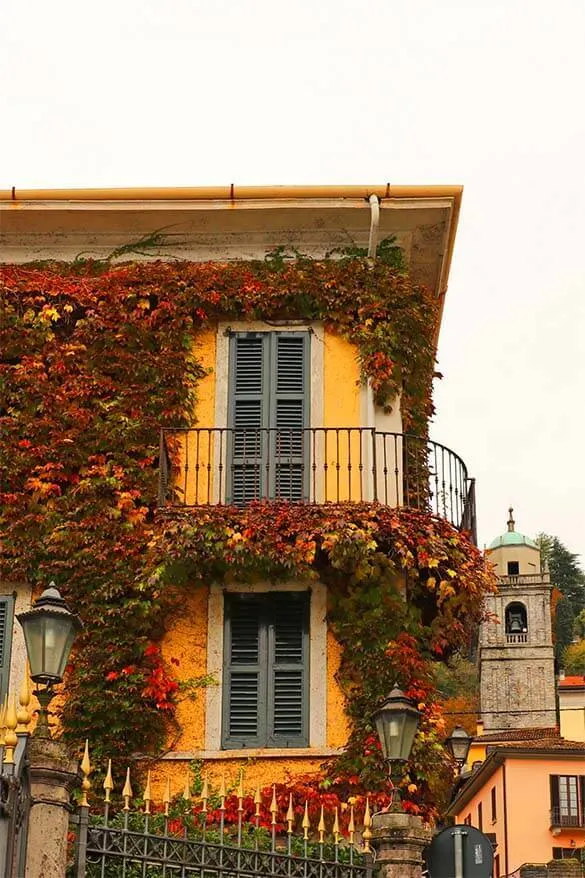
(560,818)
(217,465)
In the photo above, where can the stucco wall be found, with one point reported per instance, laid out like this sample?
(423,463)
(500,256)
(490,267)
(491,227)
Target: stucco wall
(572,714)
(483,797)
(528,795)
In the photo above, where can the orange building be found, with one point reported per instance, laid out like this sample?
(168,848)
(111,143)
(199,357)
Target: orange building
(530,795)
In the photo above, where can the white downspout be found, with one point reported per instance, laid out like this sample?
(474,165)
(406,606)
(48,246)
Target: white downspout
(374,223)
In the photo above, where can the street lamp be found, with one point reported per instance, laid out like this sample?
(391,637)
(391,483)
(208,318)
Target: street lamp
(49,631)
(458,744)
(396,722)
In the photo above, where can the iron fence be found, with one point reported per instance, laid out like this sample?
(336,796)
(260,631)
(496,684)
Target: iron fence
(15,798)
(183,838)
(215,465)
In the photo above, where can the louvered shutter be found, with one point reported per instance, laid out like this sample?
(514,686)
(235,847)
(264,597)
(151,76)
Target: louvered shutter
(288,641)
(245,672)
(248,417)
(555,799)
(268,414)
(289,415)
(6,618)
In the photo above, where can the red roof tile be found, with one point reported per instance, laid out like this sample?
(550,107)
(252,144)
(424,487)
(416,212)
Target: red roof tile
(572,681)
(544,744)
(517,735)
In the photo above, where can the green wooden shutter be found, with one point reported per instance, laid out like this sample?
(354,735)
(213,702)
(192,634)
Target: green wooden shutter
(288,653)
(289,409)
(248,417)
(6,620)
(244,672)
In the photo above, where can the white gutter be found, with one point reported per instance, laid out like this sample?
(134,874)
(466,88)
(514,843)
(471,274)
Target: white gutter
(374,224)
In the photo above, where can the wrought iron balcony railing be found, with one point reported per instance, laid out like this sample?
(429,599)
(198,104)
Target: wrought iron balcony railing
(213,465)
(561,817)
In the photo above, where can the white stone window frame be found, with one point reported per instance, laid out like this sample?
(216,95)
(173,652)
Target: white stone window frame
(317,662)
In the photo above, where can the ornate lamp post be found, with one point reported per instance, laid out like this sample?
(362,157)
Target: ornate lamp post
(49,631)
(458,744)
(396,722)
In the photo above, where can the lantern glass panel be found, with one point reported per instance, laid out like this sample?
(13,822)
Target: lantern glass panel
(49,638)
(396,730)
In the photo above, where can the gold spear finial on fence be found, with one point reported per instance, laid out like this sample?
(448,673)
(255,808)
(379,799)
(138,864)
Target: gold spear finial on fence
(367,833)
(187,790)
(321,827)
(222,793)
(108,782)
(10,739)
(167,796)
(86,771)
(336,832)
(351,826)
(24,715)
(257,803)
(306,824)
(147,794)
(204,795)
(240,792)
(290,815)
(127,791)
(274,805)
(3,723)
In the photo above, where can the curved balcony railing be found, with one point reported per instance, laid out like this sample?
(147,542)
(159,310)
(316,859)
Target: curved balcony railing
(215,465)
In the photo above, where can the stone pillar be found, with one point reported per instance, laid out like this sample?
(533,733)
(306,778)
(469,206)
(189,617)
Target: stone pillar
(399,840)
(53,775)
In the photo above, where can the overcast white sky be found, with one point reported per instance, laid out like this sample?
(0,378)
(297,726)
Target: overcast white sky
(487,94)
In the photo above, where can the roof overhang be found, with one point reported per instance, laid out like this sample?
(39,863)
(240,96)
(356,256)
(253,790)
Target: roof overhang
(231,222)
(497,757)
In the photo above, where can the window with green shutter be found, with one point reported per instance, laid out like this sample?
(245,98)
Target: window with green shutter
(268,416)
(266,650)
(6,619)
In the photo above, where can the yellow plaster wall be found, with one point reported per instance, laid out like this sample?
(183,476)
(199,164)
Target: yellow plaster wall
(186,642)
(342,408)
(337,724)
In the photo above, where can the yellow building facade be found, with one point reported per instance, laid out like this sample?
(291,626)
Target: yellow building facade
(281,413)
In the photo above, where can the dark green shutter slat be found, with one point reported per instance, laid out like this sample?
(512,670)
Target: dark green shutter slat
(6,617)
(248,417)
(249,364)
(288,703)
(290,416)
(290,364)
(243,704)
(288,674)
(244,674)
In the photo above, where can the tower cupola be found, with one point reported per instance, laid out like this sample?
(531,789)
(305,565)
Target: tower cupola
(513,553)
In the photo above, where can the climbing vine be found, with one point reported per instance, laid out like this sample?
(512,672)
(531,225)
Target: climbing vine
(94,360)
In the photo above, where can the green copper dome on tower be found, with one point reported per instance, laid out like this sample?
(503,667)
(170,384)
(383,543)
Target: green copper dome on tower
(512,537)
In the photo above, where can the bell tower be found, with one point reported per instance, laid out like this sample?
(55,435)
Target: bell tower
(516,656)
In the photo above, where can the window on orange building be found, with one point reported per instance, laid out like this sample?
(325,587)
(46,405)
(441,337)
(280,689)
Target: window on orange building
(494,805)
(567,799)
(480,817)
